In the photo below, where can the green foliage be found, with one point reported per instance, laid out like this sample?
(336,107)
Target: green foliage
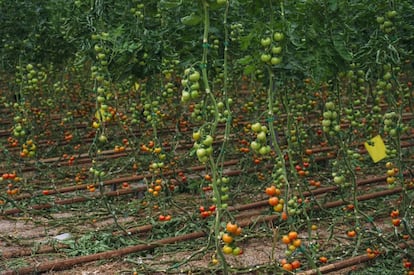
(323,37)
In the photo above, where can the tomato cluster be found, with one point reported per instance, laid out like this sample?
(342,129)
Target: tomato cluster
(204,149)
(330,123)
(274,200)
(207,212)
(28,149)
(386,23)
(292,242)
(155,187)
(372,253)
(11,179)
(164,218)
(395,216)
(392,173)
(191,84)
(273,49)
(260,146)
(228,238)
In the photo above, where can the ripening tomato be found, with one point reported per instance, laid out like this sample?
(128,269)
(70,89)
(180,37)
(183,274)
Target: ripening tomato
(396,222)
(238,231)
(297,243)
(323,259)
(287,267)
(231,227)
(271,191)
(273,201)
(395,213)
(286,239)
(295,264)
(237,251)
(293,235)
(227,249)
(227,238)
(351,233)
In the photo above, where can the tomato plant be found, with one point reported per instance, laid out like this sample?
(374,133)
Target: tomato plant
(179,115)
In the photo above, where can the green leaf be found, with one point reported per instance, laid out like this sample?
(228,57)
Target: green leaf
(245,60)
(249,69)
(245,41)
(170,4)
(340,47)
(191,20)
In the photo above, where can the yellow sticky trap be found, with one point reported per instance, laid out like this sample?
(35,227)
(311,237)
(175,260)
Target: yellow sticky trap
(376,148)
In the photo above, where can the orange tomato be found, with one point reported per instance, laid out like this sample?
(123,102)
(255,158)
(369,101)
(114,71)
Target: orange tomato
(285,239)
(278,207)
(297,243)
(287,267)
(158,188)
(284,216)
(271,191)
(396,222)
(273,201)
(227,238)
(295,264)
(231,227)
(395,213)
(293,235)
(323,259)
(351,233)
(308,152)
(238,231)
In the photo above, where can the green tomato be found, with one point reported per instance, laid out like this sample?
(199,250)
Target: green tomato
(380,19)
(195,86)
(194,94)
(100,99)
(265,57)
(392,14)
(185,96)
(276,49)
(225,189)
(326,123)
(387,76)
(257,127)
(278,36)
(276,60)
(330,105)
(201,152)
(339,179)
(261,136)
(194,77)
(237,251)
(196,135)
(255,145)
(208,141)
(265,41)
(102,138)
(264,150)
(225,197)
